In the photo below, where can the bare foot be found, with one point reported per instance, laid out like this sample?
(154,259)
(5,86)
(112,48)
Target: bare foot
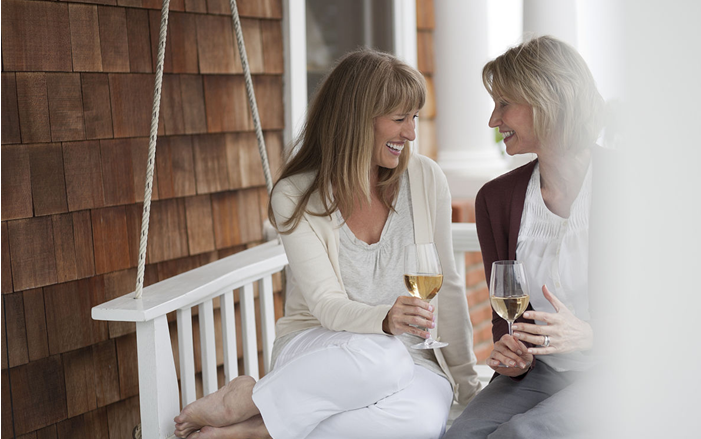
(252,428)
(229,405)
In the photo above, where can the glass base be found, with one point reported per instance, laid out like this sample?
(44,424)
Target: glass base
(430,344)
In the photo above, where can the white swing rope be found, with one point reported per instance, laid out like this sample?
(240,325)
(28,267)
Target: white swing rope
(154,128)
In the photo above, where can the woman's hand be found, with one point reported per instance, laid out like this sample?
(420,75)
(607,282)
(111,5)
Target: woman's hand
(566,332)
(508,350)
(408,311)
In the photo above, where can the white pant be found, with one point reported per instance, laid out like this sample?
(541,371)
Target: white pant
(329,384)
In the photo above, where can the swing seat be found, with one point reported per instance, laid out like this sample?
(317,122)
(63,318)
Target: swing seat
(160,396)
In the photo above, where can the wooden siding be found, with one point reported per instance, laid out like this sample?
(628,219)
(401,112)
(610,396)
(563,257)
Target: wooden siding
(77,85)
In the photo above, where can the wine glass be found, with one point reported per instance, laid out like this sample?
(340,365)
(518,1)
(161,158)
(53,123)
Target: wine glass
(508,291)
(423,277)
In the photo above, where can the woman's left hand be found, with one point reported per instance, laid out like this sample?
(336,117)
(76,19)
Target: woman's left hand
(566,332)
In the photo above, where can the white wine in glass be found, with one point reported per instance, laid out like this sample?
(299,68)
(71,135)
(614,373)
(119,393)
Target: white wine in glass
(423,277)
(508,291)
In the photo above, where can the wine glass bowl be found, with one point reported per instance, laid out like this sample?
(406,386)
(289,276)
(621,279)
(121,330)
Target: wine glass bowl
(508,291)
(423,278)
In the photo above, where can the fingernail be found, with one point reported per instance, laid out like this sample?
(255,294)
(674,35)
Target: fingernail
(430,308)
(523,365)
(434,318)
(527,315)
(433,325)
(517,334)
(520,353)
(515,327)
(513,363)
(530,351)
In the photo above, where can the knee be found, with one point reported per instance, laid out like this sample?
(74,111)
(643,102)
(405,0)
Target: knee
(382,359)
(423,424)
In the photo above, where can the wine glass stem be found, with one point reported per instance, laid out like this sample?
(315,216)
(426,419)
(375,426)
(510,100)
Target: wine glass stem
(511,331)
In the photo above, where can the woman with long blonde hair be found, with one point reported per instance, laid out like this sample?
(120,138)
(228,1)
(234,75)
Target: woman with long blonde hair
(346,205)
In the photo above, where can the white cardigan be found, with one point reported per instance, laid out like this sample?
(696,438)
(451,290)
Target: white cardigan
(315,292)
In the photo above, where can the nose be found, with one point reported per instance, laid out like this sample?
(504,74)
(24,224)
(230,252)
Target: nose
(495,118)
(409,129)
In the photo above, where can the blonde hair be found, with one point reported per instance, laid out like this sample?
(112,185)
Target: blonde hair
(337,140)
(550,76)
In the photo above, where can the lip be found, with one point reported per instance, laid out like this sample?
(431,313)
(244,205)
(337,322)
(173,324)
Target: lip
(506,136)
(394,151)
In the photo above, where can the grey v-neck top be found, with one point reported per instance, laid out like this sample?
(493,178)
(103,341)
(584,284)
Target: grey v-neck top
(374,273)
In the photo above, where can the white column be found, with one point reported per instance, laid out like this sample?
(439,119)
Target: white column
(467,151)
(294,40)
(548,17)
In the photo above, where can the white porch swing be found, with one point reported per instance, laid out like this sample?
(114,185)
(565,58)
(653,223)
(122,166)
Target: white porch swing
(148,308)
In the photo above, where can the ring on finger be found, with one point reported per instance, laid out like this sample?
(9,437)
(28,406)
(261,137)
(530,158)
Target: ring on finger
(546,341)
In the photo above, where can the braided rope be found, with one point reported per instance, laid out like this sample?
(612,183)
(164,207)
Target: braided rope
(251,96)
(152,148)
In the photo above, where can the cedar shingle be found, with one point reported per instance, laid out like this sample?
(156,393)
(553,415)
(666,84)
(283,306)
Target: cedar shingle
(134,214)
(226,220)
(38,394)
(194,114)
(168,230)
(200,231)
(268,90)
(138,37)
(85,38)
(182,31)
(10,111)
(271,35)
(106,373)
(110,239)
(79,372)
(226,103)
(84,252)
(35,318)
(65,106)
(91,425)
(176,169)
(48,181)
(215,45)
(17,353)
(35,36)
(210,163)
(114,43)
(128,366)
(196,6)
(68,322)
(83,172)
(33,107)
(250,223)
(429,109)
(117,171)
(2,342)
(424,41)
(425,16)
(64,245)
(16,182)
(275,148)
(155,25)
(244,160)
(172,105)
(32,253)
(6,266)
(260,8)
(219,7)
(47,433)
(132,100)
(253,40)
(122,417)
(115,285)
(96,106)
(7,424)
(139,162)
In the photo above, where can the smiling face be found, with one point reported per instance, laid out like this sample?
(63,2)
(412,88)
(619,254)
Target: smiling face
(515,123)
(392,131)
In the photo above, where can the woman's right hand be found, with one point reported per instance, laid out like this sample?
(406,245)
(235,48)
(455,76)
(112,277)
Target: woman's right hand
(511,351)
(408,311)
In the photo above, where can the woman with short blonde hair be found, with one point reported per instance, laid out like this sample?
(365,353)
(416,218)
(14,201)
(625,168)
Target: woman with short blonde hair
(546,103)
(346,205)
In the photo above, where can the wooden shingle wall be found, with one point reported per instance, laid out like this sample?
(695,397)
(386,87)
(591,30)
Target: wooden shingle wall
(77,84)
(425,23)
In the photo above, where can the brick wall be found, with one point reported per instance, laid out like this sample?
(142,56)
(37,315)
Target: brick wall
(77,83)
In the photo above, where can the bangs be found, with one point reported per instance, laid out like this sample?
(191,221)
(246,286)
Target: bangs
(403,91)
